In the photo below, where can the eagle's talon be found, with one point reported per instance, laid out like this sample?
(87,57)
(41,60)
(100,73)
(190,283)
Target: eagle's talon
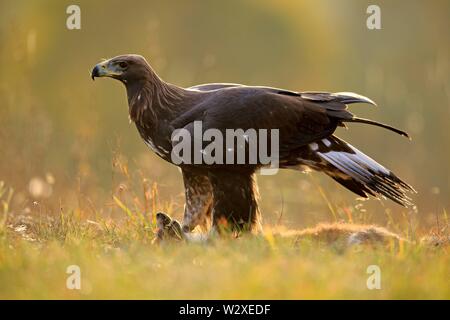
(167,228)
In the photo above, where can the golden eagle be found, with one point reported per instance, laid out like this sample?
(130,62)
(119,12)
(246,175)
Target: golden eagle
(227,194)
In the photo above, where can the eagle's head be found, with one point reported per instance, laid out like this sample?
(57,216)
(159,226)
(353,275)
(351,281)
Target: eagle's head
(142,83)
(127,68)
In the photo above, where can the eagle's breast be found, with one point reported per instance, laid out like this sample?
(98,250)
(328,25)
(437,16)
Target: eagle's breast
(156,141)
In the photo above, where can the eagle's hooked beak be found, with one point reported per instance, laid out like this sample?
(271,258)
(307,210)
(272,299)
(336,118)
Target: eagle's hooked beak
(105,69)
(94,73)
(99,71)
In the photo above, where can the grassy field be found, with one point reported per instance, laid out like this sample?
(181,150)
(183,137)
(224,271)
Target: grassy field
(118,260)
(81,188)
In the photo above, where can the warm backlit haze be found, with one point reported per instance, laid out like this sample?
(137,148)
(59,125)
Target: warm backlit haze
(66,140)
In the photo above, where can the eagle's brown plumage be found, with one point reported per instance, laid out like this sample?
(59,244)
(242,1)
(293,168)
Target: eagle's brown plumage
(306,123)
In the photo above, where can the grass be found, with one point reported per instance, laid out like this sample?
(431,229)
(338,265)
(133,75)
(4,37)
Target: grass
(117,260)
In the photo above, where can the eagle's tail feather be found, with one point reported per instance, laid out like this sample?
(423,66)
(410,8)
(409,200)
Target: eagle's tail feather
(378,124)
(359,173)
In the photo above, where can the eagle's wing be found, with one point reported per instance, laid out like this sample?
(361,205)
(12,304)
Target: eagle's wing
(306,122)
(214,86)
(300,119)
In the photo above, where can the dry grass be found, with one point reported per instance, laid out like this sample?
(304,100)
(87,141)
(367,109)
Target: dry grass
(117,260)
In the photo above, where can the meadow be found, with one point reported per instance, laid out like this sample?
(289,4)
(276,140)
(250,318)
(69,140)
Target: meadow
(118,259)
(78,187)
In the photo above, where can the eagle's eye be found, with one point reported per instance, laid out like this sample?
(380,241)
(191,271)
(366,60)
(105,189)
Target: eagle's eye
(123,64)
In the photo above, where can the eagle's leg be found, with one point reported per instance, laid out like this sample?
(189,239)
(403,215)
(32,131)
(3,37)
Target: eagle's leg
(235,203)
(199,198)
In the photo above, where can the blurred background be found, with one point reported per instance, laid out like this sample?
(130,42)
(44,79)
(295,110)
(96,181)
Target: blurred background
(66,142)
